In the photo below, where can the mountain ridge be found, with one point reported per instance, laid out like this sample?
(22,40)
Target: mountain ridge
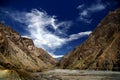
(18,52)
(101,50)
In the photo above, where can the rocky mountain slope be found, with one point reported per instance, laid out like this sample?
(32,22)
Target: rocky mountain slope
(18,52)
(101,51)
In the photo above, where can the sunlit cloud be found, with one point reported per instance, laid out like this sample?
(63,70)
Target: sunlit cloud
(46,31)
(78,35)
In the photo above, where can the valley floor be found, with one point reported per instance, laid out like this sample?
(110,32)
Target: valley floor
(63,74)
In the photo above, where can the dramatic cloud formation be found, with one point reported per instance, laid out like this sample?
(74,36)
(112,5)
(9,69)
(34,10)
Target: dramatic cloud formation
(45,30)
(76,36)
(86,11)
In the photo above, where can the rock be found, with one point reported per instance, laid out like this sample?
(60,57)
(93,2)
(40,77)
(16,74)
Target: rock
(17,52)
(8,75)
(101,51)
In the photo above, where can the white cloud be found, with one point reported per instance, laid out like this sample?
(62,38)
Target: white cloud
(84,19)
(37,23)
(56,56)
(86,11)
(78,35)
(80,6)
(97,7)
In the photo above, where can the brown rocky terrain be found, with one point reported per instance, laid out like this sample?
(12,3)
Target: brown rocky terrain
(101,51)
(18,52)
(20,59)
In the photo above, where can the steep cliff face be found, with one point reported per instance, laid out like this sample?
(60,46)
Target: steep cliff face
(17,52)
(101,50)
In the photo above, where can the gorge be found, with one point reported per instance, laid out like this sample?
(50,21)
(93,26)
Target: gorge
(101,51)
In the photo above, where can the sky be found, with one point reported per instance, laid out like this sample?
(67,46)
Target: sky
(57,26)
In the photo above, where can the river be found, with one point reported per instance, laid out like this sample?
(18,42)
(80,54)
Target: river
(63,74)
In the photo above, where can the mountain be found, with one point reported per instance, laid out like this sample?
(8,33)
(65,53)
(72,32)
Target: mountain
(101,51)
(18,52)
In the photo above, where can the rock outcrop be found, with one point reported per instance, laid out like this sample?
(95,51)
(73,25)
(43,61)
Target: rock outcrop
(101,51)
(18,52)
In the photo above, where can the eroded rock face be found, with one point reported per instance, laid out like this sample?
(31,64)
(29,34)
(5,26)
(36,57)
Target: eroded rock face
(101,50)
(17,52)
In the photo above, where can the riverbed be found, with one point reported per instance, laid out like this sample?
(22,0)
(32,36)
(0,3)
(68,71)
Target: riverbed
(65,74)
(62,74)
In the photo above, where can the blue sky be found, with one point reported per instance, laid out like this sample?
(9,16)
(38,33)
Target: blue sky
(55,25)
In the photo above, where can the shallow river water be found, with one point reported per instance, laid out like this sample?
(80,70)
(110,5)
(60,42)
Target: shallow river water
(63,74)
